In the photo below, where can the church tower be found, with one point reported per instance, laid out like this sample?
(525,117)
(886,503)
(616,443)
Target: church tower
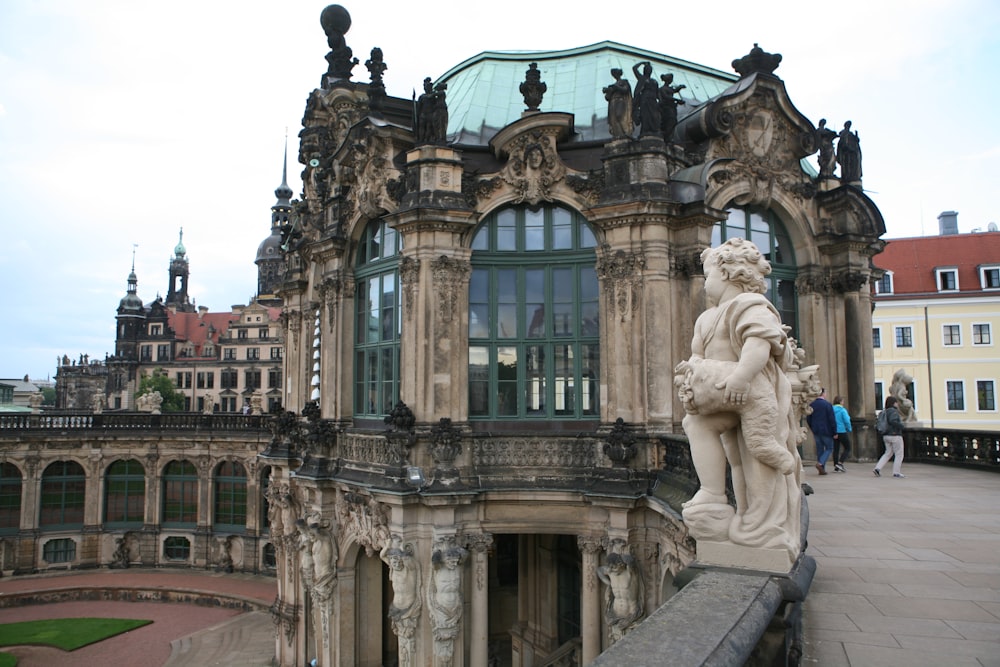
(131,319)
(177,293)
(270,260)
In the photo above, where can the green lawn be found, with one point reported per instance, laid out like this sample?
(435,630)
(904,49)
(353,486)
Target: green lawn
(7,660)
(68,634)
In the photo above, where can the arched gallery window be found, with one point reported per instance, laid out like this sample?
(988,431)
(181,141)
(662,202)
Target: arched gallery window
(180,494)
(377,322)
(766,231)
(125,493)
(10,498)
(230,495)
(64,487)
(534,335)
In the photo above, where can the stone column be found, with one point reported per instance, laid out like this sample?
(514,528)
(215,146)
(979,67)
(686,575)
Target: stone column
(590,598)
(479,545)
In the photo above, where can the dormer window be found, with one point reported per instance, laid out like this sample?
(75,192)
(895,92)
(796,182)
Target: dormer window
(884,284)
(989,276)
(947,280)
(155,329)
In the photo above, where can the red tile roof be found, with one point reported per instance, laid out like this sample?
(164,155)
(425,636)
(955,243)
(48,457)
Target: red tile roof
(191,327)
(913,260)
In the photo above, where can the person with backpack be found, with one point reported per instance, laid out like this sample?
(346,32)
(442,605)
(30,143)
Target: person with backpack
(842,440)
(889,425)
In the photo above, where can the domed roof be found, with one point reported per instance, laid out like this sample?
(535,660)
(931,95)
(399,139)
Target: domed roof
(483,97)
(130,302)
(179,249)
(269,248)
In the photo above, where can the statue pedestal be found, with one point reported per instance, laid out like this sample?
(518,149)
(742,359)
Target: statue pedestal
(728,554)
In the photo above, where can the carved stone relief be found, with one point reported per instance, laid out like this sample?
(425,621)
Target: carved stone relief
(450,275)
(363,520)
(409,276)
(622,275)
(532,452)
(534,167)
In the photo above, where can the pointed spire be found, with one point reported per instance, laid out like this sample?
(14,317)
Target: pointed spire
(284,193)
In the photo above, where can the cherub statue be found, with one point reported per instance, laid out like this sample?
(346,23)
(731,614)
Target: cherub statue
(737,396)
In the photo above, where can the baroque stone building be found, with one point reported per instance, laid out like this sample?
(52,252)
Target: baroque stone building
(485,299)
(221,361)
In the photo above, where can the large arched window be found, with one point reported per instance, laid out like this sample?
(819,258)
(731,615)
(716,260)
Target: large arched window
(230,495)
(64,487)
(377,322)
(10,498)
(125,493)
(766,231)
(180,494)
(534,335)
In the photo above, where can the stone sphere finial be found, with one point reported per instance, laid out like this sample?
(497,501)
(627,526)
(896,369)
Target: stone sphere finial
(335,19)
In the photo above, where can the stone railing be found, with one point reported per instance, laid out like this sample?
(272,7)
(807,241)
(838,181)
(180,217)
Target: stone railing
(979,449)
(720,618)
(11,424)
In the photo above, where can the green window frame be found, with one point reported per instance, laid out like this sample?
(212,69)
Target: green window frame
(230,496)
(378,321)
(62,550)
(11,484)
(180,494)
(177,548)
(534,329)
(125,493)
(765,230)
(64,490)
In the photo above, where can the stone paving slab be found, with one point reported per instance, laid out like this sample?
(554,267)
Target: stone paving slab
(908,570)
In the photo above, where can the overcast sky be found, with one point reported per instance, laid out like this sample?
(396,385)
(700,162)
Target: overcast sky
(123,121)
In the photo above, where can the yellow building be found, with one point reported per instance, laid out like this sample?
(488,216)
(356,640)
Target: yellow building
(937,309)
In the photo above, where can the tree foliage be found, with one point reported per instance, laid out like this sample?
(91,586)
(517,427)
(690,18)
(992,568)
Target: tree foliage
(173,400)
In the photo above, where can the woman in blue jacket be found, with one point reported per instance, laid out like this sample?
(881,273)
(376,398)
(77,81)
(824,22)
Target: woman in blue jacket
(842,440)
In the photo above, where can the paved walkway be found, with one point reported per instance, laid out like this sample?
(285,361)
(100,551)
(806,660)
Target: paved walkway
(908,569)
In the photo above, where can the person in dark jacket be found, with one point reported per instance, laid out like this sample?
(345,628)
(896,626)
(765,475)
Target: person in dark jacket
(893,440)
(823,423)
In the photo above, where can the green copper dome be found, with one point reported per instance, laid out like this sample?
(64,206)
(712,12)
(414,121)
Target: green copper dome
(483,94)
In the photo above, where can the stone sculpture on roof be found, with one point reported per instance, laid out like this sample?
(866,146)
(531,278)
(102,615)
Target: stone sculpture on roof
(827,158)
(646,103)
(619,97)
(668,105)
(532,88)
(849,155)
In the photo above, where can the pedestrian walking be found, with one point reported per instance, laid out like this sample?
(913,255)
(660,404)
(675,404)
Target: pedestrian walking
(823,424)
(842,439)
(890,426)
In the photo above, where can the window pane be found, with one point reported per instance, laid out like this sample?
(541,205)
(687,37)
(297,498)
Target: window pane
(534,307)
(564,375)
(534,229)
(479,381)
(562,230)
(507,381)
(506,230)
(506,303)
(535,381)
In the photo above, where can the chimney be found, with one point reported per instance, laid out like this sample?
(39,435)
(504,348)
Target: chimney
(948,223)
(201,311)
